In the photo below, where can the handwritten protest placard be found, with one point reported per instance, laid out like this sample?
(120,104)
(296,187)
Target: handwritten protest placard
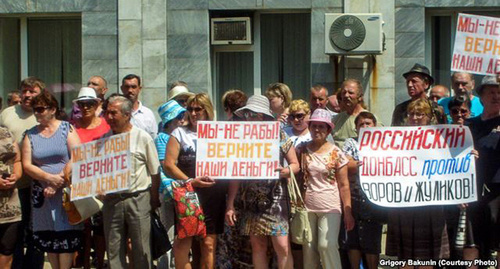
(238,150)
(101,166)
(477,45)
(417,166)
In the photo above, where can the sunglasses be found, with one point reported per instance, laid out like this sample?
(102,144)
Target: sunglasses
(86,103)
(40,109)
(297,116)
(455,111)
(195,109)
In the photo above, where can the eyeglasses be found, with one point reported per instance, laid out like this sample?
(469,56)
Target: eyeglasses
(251,114)
(462,111)
(40,109)
(416,115)
(181,102)
(195,109)
(86,103)
(297,116)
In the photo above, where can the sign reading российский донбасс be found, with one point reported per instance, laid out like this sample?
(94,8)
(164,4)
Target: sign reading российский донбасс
(417,166)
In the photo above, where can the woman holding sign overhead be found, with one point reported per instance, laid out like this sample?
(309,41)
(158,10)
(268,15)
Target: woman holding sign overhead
(265,205)
(418,232)
(46,150)
(180,164)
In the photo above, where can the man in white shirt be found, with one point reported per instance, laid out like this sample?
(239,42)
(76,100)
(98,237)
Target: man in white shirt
(142,117)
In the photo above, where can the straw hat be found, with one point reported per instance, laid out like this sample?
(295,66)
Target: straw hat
(178,91)
(257,104)
(86,93)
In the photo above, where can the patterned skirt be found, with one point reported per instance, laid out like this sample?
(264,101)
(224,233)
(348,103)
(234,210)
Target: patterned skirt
(264,207)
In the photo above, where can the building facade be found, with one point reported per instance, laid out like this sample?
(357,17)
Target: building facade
(64,42)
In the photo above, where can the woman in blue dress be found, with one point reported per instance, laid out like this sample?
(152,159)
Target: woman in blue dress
(46,151)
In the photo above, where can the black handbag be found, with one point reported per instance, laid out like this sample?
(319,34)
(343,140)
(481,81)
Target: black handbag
(160,243)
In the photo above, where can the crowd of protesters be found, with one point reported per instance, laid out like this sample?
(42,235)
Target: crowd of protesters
(247,221)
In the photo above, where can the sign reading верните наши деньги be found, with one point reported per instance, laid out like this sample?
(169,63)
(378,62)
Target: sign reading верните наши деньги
(417,166)
(238,150)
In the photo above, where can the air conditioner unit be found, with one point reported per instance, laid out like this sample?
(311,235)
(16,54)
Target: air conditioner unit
(353,34)
(231,31)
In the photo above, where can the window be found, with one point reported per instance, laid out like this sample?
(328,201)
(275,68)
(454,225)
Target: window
(48,48)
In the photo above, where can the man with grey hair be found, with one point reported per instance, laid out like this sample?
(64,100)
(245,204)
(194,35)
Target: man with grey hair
(127,214)
(463,85)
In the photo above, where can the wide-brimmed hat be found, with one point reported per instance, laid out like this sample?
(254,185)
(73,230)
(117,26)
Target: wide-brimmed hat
(86,93)
(420,69)
(169,111)
(257,104)
(321,115)
(178,91)
(487,81)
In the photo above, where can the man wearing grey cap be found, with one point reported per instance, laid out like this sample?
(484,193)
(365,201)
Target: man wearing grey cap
(484,213)
(418,82)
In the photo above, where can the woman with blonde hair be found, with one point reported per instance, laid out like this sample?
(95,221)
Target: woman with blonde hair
(280,97)
(299,114)
(180,164)
(418,232)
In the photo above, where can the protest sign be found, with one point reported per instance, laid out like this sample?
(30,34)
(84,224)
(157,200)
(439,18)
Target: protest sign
(101,166)
(417,166)
(238,150)
(477,45)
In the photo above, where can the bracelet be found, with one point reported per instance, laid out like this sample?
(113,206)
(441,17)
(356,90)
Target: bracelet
(189,180)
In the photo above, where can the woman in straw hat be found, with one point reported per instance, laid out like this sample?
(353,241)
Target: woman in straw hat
(265,209)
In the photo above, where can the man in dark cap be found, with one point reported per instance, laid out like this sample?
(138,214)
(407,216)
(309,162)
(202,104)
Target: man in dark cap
(418,82)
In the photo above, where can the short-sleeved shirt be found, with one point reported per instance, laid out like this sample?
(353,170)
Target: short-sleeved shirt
(297,139)
(144,159)
(476,108)
(18,121)
(322,193)
(143,118)
(87,135)
(10,206)
(344,128)
(161,142)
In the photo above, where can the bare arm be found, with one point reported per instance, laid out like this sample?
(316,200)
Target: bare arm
(293,163)
(171,169)
(73,141)
(16,173)
(34,171)
(231,196)
(345,196)
(171,156)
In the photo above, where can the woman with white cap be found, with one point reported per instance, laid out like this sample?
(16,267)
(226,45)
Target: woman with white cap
(327,194)
(90,127)
(265,210)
